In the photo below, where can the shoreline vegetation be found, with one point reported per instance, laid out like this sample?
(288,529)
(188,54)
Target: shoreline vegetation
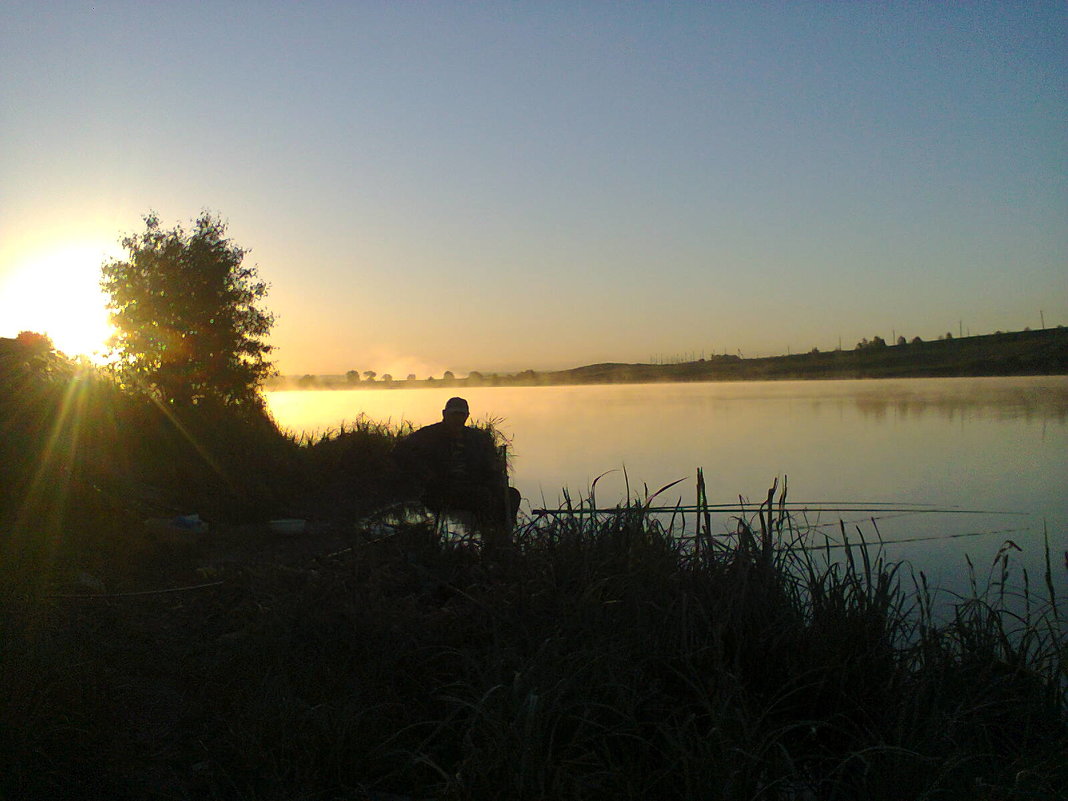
(147,653)
(1042,352)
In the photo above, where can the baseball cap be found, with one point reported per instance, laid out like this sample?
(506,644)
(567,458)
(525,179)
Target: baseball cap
(456,405)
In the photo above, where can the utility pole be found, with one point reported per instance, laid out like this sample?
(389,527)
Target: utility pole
(960,328)
(1042,317)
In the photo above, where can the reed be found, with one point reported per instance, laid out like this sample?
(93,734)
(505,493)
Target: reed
(604,656)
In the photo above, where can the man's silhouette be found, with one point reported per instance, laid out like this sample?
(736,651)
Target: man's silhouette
(458,468)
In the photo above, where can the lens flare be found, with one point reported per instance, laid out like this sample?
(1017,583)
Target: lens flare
(56,292)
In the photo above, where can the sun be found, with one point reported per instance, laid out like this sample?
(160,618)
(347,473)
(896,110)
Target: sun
(55,291)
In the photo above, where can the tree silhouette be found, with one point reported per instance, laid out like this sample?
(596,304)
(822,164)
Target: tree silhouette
(31,341)
(876,342)
(185,311)
(33,354)
(353,376)
(369,375)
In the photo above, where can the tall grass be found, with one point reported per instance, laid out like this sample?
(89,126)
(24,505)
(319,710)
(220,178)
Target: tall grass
(601,657)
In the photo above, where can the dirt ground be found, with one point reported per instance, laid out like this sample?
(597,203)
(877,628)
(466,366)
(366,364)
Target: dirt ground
(154,555)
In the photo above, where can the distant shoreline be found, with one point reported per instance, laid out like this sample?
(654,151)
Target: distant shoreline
(1018,353)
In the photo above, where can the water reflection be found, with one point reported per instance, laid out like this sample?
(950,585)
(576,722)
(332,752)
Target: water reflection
(1003,399)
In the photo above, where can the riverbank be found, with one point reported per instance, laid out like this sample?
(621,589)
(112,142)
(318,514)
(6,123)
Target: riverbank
(593,660)
(144,656)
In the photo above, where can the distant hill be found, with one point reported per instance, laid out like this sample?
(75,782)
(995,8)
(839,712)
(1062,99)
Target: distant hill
(1042,352)
(1017,353)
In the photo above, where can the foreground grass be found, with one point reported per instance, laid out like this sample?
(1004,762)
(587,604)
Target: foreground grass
(598,659)
(601,658)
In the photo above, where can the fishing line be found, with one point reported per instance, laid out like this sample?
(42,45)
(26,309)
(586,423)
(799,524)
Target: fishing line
(880,542)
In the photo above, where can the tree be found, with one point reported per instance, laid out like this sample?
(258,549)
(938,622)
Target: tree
(876,342)
(369,375)
(353,376)
(32,342)
(33,354)
(185,309)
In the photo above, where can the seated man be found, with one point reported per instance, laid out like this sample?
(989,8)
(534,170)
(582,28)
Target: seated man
(457,468)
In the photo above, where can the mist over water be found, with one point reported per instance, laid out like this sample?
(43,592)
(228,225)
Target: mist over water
(999,445)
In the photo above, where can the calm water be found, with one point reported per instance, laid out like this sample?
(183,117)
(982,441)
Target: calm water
(992,444)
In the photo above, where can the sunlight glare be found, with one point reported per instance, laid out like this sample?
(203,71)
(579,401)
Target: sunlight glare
(56,292)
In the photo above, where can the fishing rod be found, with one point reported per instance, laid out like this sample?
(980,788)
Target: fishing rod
(788,507)
(876,541)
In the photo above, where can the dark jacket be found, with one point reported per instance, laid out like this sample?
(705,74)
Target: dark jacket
(425,456)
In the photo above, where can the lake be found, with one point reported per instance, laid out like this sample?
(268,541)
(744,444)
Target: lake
(993,445)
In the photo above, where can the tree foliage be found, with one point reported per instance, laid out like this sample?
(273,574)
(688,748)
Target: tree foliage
(875,343)
(187,317)
(30,356)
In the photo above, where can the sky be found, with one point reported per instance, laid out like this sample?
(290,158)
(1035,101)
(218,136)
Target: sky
(495,186)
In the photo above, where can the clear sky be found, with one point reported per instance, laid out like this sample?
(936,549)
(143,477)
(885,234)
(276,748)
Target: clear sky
(511,185)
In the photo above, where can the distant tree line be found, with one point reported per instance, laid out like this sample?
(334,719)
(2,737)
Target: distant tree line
(877,342)
(366,378)
(991,354)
